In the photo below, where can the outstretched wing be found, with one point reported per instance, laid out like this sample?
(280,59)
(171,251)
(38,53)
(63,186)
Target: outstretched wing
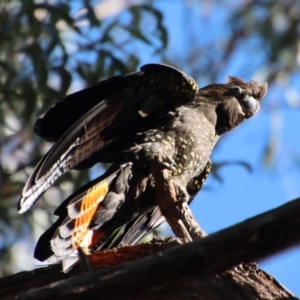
(86,122)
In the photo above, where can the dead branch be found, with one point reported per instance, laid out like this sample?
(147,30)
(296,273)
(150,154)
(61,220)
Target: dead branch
(187,271)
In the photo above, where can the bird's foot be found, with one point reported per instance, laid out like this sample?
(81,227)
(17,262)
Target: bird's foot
(169,163)
(181,192)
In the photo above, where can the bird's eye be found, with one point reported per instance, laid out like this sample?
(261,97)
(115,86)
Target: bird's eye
(236,91)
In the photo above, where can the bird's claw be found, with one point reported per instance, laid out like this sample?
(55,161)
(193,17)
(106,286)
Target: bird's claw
(169,163)
(181,192)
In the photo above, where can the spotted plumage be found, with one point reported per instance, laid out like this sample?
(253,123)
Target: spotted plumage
(128,120)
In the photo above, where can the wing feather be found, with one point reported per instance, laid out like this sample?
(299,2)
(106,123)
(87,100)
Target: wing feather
(128,99)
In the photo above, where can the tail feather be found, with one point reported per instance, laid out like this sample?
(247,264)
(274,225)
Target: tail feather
(83,214)
(84,208)
(138,228)
(114,210)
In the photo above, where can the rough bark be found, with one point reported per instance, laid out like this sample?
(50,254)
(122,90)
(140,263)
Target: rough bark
(208,268)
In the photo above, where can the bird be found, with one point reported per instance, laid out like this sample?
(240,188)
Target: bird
(158,111)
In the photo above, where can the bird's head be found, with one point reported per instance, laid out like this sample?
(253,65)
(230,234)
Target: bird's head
(231,103)
(248,94)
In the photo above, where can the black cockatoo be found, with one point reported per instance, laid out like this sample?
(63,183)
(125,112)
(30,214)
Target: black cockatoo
(125,120)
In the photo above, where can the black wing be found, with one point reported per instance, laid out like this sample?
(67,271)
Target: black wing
(86,122)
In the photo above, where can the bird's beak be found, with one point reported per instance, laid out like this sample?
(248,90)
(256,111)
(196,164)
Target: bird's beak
(250,106)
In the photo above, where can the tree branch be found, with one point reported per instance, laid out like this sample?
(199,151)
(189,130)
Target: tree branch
(188,270)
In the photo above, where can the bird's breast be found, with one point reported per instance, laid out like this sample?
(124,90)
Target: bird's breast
(188,139)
